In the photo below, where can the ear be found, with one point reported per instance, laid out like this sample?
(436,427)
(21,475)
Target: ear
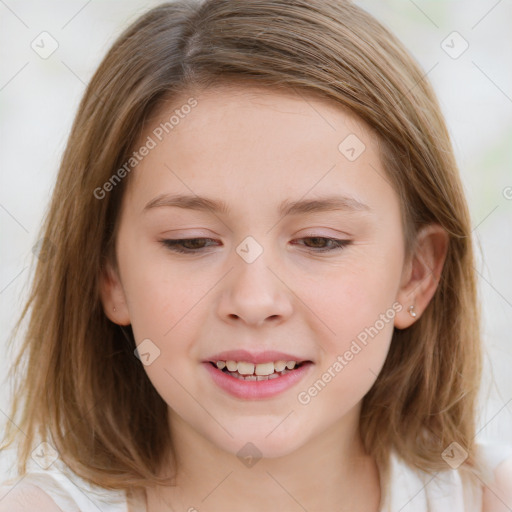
(421,273)
(113,296)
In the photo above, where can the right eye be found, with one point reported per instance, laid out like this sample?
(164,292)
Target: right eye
(187,245)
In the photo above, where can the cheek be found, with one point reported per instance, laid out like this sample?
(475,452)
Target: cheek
(165,306)
(352,356)
(351,297)
(354,311)
(159,294)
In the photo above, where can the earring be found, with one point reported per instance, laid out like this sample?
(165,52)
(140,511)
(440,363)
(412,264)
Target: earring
(411,311)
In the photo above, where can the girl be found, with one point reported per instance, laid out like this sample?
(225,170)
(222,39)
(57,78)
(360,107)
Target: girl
(260,292)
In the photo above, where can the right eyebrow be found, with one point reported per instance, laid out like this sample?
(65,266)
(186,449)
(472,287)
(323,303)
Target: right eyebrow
(187,201)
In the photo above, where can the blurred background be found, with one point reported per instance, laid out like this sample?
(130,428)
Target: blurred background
(49,51)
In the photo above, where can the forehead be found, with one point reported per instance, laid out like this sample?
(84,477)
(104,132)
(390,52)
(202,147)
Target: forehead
(256,143)
(244,111)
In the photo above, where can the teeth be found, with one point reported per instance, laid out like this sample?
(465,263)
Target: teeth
(232,365)
(261,371)
(264,368)
(248,368)
(279,366)
(258,377)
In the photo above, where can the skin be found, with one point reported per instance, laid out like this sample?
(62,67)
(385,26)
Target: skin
(255,148)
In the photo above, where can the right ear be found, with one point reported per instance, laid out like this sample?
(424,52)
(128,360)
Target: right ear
(113,296)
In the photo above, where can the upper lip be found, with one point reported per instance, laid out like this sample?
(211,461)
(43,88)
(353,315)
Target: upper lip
(255,357)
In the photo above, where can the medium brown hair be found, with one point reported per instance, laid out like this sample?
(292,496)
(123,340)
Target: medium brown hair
(81,388)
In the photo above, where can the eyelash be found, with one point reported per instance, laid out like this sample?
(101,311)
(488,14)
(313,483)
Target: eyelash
(178,245)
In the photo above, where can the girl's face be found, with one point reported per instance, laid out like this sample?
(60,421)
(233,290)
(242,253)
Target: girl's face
(297,255)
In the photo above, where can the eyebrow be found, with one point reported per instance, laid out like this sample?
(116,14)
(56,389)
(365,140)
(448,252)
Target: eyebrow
(323,204)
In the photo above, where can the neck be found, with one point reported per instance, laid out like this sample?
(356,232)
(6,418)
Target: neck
(330,472)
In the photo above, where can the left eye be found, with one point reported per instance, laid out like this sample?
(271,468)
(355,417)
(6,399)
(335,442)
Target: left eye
(324,244)
(194,245)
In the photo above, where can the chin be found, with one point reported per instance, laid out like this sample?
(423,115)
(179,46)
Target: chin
(257,442)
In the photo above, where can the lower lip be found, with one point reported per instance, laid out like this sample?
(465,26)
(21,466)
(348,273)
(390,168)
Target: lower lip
(256,389)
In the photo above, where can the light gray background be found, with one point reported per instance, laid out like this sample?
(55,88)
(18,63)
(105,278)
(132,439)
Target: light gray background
(39,97)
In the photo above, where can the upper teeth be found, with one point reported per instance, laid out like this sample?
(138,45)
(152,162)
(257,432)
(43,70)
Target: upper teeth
(245,368)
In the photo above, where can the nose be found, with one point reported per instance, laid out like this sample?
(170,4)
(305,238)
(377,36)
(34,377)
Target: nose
(254,295)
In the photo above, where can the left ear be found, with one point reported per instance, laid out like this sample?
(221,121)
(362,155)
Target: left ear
(421,273)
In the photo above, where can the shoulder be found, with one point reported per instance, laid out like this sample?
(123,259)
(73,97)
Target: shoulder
(25,497)
(58,489)
(486,487)
(497,494)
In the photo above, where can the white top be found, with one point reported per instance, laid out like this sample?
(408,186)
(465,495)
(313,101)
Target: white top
(411,491)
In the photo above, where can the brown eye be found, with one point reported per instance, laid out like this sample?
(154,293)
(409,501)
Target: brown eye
(187,245)
(324,244)
(317,242)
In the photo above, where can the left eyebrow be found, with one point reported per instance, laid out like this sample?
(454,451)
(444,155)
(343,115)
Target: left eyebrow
(323,204)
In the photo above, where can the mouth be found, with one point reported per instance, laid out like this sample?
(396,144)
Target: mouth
(247,371)
(264,376)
